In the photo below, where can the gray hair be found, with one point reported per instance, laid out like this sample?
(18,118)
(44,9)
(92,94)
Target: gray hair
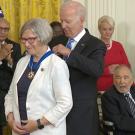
(121,66)
(80,9)
(106,19)
(40,27)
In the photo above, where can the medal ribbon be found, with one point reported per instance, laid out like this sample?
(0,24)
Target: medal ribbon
(36,66)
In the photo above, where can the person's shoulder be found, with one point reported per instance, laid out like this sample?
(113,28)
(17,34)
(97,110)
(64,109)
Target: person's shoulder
(58,63)
(57,59)
(110,92)
(93,39)
(133,87)
(96,43)
(23,58)
(117,44)
(22,62)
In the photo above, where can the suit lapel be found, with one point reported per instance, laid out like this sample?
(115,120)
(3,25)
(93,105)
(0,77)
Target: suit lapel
(132,91)
(82,43)
(123,103)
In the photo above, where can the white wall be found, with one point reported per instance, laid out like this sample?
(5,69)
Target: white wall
(123,12)
(130,31)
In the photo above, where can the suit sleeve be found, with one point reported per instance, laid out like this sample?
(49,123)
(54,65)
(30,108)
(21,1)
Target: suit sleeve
(90,60)
(112,111)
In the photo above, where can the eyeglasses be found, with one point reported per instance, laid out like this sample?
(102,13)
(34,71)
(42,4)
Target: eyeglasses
(4,29)
(30,40)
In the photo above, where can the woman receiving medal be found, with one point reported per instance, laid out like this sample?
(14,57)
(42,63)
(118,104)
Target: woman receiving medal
(39,97)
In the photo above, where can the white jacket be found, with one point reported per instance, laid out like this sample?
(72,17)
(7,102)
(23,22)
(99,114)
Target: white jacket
(49,95)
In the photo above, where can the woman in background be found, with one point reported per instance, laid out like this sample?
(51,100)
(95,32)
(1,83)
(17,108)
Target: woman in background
(58,35)
(115,54)
(39,97)
(57,28)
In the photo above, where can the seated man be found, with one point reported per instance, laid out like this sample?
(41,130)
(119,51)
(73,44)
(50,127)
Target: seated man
(118,103)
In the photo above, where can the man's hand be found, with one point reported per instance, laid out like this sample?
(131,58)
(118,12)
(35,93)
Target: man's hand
(61,50)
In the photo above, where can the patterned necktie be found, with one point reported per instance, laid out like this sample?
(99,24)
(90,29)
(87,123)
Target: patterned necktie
(131,104)
(69,44)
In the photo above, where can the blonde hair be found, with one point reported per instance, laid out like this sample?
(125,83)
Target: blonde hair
(106,19)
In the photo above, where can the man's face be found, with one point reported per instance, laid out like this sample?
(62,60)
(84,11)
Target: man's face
(123,80)
(71,22)
(4,30)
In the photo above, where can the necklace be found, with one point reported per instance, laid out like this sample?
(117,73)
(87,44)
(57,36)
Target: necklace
(109,45)
(34,67)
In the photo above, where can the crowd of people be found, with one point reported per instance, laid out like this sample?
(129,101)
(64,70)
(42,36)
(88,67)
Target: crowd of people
(52,89)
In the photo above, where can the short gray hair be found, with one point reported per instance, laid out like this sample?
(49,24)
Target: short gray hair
(40,27)
(121,66)
(80,9)
(106,19)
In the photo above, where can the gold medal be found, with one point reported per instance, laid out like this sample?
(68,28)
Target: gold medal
(31,75)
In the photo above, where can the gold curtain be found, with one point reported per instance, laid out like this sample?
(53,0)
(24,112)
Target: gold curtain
(19,11)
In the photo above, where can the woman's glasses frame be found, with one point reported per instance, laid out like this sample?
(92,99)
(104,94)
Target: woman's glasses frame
(30,40)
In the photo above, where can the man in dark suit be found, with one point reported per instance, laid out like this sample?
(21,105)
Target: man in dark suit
(115,105)
(85,62)
(10,53)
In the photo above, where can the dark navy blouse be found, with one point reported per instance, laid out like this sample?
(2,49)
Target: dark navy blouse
(22,88)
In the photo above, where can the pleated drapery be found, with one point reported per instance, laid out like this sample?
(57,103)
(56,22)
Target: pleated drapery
(19,11)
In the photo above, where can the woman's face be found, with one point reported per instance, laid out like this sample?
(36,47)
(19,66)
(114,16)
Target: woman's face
(106,30)
(31,42)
